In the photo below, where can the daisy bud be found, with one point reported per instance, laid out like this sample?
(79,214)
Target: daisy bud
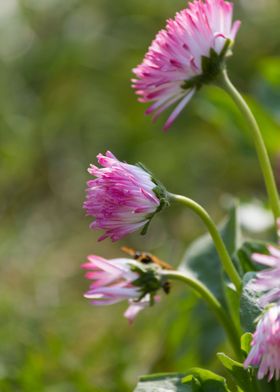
(122,198)
(265,351)
(188,53)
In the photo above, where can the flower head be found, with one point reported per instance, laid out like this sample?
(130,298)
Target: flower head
(121,279)
(265,351)
(267,281)
(122,198)
(111,280)
(185,55)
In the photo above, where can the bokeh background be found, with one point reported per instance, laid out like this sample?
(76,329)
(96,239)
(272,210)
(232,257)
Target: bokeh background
(65,69)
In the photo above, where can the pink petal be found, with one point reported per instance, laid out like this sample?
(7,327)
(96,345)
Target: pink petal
(178,109)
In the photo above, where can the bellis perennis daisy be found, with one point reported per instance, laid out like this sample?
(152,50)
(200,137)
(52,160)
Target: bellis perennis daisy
(188,53)
(121,279)
(267,281)
(265,352)
(122,198)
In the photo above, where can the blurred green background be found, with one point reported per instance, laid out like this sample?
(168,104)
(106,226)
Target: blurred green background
(65,95)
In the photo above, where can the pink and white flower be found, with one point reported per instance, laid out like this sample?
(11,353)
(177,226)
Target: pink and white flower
(122,198)
(267,281)
(113,281)
(265,351)
(185,55)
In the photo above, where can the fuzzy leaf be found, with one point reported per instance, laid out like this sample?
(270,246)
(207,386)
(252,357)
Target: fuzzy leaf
(249,304)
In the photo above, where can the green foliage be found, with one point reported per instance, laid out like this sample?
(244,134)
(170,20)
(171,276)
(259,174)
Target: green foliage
(201,257)
(171,382)
(233,302)
(249,304)
(243,378)
(244,254)
(202,380)
(194,380)
(246,340)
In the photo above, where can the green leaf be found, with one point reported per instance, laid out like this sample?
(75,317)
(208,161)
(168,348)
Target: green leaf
(244,254)
(202,259)
(249,304)
(240,375)
(246,340)
(171,382)
(203,380)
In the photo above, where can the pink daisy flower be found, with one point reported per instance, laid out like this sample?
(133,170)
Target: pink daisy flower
(267,281)
(116,280)
(122,198)
(188,53)
(265,351)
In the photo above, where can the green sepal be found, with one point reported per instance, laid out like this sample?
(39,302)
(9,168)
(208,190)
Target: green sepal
(145,228)
(150,281)
(211,65)
(159,189)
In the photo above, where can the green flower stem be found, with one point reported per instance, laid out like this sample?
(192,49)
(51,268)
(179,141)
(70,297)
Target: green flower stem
(220,246)
(213,303)
(264,160)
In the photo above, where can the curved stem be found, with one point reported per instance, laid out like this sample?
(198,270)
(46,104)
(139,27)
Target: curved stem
(264,160)
(212,301)
(217,239)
